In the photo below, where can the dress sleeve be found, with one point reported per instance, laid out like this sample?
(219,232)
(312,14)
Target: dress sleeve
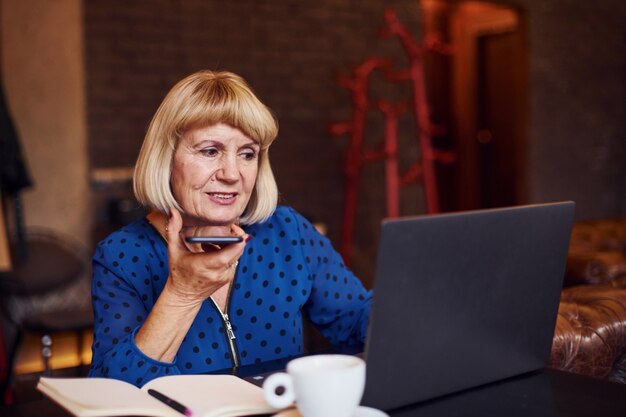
(122,295)
(339,304)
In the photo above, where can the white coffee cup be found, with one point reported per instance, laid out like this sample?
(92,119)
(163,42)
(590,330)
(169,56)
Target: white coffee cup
(321,385)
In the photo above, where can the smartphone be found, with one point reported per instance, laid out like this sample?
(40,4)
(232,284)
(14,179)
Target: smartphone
(214,240)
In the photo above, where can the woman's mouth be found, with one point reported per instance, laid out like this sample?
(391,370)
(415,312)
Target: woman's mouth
(222,198)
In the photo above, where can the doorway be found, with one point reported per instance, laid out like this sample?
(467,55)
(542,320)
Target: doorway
(490,101)
(487,101)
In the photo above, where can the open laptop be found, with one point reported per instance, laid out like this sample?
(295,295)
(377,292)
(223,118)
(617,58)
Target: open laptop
(464,299)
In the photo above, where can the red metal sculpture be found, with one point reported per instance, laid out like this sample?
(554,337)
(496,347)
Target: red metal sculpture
(422,171)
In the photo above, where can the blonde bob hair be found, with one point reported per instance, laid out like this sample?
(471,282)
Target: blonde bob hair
(202,99)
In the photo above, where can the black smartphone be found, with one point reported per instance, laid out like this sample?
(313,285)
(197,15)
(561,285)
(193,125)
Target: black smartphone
(214,240)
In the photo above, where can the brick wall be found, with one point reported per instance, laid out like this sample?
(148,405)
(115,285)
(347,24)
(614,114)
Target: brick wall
(290,51)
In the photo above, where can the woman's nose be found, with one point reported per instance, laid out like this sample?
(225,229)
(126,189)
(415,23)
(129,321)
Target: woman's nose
(229,169)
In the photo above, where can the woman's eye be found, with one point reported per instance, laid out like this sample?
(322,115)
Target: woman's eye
(248,154)
(209,152)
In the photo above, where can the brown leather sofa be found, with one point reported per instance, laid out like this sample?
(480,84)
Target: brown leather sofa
(590,334)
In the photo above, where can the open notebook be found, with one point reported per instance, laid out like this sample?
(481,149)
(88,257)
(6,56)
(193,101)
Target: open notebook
(197,395)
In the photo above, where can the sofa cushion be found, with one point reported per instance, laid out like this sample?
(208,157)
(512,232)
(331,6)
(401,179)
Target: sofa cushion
(590,334)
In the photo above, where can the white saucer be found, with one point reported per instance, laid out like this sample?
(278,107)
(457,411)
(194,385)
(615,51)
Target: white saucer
(362,411)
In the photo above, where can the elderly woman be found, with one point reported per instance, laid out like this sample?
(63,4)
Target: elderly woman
(164,306)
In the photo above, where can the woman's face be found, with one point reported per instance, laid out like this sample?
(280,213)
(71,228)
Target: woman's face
(213,174)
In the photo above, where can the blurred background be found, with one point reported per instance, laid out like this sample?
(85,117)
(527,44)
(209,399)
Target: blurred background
(529,96)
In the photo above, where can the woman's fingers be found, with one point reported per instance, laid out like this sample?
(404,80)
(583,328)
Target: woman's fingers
(173,227)
(197,272)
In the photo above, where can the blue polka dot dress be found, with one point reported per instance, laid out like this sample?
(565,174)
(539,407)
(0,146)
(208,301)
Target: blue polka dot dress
(288,269)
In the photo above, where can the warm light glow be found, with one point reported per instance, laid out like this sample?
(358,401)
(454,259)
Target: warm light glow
(64,352)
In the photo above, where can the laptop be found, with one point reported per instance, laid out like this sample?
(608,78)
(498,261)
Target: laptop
(464,299)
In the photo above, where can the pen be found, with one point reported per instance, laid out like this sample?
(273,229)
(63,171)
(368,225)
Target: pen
(174,404)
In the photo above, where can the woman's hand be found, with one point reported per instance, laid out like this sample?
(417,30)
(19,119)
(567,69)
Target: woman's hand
(197,271)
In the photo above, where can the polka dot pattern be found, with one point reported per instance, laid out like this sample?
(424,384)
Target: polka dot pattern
(288,269)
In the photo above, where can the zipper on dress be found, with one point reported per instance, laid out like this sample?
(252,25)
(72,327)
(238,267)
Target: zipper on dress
(229,328)
(230,334)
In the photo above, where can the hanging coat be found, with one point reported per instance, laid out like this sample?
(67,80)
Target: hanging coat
(14,174)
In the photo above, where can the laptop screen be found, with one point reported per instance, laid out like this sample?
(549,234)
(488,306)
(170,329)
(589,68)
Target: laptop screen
(463,299)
